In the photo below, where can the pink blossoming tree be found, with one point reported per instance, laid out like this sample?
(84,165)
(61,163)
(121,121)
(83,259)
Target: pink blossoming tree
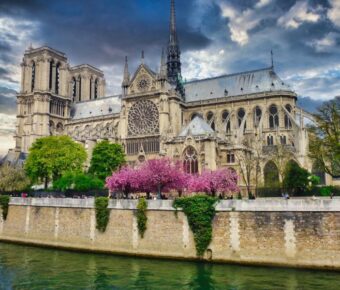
(213,182)
(163,175)
(124,180)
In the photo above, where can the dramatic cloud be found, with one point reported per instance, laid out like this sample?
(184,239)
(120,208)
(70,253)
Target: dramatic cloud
(216,37)
(334,12)
(298,14)
(325,44)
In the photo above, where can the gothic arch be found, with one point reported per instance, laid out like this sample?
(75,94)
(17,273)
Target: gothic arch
(226,121)
(288,122)
(190,160)
(271,174)
(241,113)
(257,113)
(273,117)
(60,128)
(211,119)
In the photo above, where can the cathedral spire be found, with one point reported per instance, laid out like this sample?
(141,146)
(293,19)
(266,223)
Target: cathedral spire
(174,53)
(163,68)
(126,79)
(173,31)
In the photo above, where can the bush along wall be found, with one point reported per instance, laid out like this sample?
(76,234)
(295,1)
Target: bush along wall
(200,211)
(4,202)
(141,216)
(102,213)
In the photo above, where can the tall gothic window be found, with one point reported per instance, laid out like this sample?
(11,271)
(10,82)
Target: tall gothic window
(79,88)
(51,75)
(240,116)
(257,116)
(211,120)
(57,78)
(288,123)
(96,89)
(226,121)
(74,89)
(33,77)
(91,81)
(190,163)
(273,117)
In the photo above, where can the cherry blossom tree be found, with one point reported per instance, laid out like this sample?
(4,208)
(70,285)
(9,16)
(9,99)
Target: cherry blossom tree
(213,182)
(125,181)
(163,175)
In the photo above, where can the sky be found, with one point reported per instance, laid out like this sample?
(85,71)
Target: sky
(216,37)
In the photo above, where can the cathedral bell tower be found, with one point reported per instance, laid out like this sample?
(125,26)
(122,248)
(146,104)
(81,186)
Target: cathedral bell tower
(174,54)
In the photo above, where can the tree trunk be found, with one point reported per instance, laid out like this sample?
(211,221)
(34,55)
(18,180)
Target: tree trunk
(159,193)
(46,182)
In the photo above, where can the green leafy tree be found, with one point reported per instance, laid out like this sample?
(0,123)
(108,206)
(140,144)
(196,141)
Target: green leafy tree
(50,157)
(296,179)
(324,145)
(77,181)
(13,179)
(106,158)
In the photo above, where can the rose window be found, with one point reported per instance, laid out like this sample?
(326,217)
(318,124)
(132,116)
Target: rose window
(143,118)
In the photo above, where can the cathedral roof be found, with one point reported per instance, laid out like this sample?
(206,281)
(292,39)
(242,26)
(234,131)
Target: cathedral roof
(251,82)
(96,108)
(197,127)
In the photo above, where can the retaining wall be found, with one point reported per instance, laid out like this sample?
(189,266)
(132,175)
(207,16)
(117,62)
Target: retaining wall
(297,233)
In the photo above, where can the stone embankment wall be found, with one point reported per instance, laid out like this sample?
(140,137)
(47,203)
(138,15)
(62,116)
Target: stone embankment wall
(298,233)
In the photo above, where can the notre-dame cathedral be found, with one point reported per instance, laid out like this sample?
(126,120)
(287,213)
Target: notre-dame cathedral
(207,123)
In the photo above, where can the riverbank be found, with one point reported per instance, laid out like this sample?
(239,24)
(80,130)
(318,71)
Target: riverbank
(302,233)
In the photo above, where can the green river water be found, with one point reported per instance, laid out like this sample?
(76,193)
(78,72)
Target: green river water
(23,267)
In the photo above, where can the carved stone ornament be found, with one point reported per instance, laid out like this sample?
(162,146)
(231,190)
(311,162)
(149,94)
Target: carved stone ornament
(143,118)
(143,83)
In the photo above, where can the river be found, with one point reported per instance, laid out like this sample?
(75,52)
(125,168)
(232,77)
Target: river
(23,267)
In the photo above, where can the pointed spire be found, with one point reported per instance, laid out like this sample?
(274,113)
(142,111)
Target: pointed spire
(174,53)
(163,68)
(142,57)
(173,32)
(126,79)
(272,58)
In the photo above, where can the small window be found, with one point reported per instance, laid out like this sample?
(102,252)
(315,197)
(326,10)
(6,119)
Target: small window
(270,140)
(230,157)
(283,140)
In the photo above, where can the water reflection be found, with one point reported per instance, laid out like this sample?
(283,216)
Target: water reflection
(33,268)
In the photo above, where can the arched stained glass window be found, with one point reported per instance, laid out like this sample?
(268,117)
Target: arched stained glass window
(288,122)
(257,116)
(190,162)
(211,120)
(33,77)
(273,117)
(226,121)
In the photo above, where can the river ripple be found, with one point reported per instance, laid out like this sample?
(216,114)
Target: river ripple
(23,267)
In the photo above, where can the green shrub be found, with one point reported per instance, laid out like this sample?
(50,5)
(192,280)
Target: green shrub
(77,181)
(141,216)
(102,213)
(200,211)
(4,202)
(325,191)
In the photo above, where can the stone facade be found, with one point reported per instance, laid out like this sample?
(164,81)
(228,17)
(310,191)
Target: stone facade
(295,233)
(208,124)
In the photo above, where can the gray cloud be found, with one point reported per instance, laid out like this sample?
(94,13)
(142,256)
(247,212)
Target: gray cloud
(7,101)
